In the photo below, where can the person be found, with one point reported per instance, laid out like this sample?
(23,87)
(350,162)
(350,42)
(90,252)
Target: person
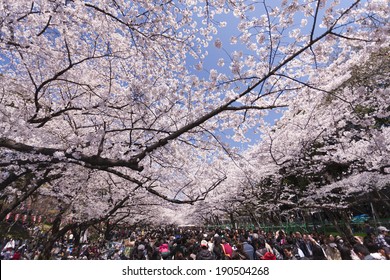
(210,243)
(268,256)
(298,253)
(362,252)
(70,239)
(384,252)
(178,249)
(370,242)
(204,253)
(17,255)
(288,251)
(227,248)
(260,248)
(317,251)
(139,252)
(116,255)
(330,248)
(10,245)
(6,254)
(239,253)
(302,245)
(129,247)
(381,238)
(164,251)
(218,249)
(153,250)
(281,237)
(179,256)
(308,245)
(344,248)
(248,248)
(367,228)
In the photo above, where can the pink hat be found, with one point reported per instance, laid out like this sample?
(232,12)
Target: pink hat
(204,243)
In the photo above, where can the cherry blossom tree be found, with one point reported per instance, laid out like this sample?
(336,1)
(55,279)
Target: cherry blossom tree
(330,150)
(145,92)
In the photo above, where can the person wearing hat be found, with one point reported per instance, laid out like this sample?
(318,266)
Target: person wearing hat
(139,252)
(164,251)
(381,238)
(204,253)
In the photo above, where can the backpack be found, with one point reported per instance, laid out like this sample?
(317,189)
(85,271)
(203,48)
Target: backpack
(225,256)
(165,253)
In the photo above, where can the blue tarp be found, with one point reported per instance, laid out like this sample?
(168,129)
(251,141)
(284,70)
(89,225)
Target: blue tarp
(360,218)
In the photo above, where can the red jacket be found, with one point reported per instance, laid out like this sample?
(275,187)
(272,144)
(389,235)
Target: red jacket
(228,250)
(16,256)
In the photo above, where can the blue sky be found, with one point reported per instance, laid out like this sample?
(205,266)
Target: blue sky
(225,34)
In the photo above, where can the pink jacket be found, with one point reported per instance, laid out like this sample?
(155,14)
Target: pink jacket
(163,248)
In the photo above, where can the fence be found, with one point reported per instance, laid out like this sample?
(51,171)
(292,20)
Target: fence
(324,227)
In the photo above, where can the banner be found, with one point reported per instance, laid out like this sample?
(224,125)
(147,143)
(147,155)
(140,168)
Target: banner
(182,270)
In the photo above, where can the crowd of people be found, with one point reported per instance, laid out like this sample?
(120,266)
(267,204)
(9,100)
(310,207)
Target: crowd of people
(171,243)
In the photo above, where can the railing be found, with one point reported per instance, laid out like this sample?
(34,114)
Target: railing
(323,227)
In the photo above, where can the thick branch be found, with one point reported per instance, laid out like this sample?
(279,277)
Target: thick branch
(190,201)
(92,160)
(16,202)
(94,221)
(13,178)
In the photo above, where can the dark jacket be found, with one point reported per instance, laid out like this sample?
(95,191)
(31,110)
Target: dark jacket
(204,254)
(249,250)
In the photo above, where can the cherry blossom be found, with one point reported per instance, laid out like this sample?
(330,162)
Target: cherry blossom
(109,102)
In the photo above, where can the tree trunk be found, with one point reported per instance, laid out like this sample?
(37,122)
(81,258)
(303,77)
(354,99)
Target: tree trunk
(347,226)
(107,232)
(76,236)
(232,221)
(343,229)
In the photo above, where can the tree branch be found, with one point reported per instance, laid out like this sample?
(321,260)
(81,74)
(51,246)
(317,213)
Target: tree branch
(92,160)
